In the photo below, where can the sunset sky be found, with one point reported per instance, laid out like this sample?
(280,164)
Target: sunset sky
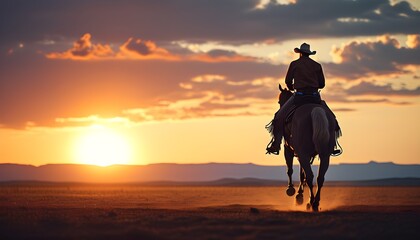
(195,81)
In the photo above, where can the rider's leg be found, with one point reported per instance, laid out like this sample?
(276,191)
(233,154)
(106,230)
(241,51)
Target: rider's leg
(278,125)
(323,103)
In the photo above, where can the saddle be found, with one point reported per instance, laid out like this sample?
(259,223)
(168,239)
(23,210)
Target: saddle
(300,99)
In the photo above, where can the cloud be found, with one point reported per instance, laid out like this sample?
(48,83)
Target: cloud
(369,92)
(147,50)
(371,58)
(348,99)
(413,41)
(218,55)
(343,110)
(227,89)
(90,120)
(208,78)
(215,96)
(181,111)
(138,49)
(84,49)
(228,21)
(368,88)
(132,49)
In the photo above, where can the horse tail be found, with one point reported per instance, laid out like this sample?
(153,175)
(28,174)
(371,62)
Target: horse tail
(320,126)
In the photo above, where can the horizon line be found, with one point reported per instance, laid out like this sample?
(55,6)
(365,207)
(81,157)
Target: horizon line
(204,163)
(226,181)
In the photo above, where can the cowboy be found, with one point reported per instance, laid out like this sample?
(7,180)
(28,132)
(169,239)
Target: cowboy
(306,76)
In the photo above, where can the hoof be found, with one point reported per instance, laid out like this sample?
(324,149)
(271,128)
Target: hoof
(308,206)
(299,199)
(290,191)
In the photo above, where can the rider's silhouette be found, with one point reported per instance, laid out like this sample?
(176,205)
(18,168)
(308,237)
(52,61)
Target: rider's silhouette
(306,76)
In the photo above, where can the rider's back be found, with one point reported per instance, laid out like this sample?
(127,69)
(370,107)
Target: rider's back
(305,73)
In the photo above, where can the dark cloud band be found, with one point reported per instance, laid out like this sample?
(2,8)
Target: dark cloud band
(233,21)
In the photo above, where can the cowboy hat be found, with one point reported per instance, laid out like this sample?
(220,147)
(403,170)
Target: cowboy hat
(305,48)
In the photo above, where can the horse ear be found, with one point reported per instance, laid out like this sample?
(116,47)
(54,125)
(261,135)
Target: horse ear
(280,88)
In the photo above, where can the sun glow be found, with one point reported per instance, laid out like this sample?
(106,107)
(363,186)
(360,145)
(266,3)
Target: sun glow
(103,147)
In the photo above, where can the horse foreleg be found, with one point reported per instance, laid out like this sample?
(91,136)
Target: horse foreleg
(304,163)
(323,167)
(288,155)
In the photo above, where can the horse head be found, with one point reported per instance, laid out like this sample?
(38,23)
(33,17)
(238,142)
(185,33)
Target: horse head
(284,95)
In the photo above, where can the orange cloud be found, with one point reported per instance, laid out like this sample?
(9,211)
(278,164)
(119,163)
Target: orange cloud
(144,50)
(84,49)
(208,78)
(413,41)
(139,49)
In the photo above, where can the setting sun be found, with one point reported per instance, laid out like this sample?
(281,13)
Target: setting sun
(103,147)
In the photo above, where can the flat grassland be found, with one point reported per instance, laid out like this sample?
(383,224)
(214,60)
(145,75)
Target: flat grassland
(74,211)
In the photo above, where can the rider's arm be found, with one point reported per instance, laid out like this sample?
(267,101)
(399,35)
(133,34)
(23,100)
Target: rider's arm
(321,78)
(289,76)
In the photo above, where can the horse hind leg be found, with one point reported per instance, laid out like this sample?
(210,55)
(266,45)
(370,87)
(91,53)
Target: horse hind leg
(299,196)
(304,163)
(323,167)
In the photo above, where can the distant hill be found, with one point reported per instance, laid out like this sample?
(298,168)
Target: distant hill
(225,173)
(245,182)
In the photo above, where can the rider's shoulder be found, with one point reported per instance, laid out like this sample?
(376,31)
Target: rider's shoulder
(313,61)
(294,62)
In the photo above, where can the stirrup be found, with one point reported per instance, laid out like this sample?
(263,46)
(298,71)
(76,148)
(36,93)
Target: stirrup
(336,152)
(270,151)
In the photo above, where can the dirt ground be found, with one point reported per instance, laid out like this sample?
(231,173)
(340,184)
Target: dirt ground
(226,222)
(91,211)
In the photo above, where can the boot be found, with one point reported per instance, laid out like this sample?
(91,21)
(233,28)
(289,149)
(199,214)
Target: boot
(337,148)
(274,146)
(275,128)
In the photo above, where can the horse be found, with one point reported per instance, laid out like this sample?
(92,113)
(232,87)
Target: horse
(311,132)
